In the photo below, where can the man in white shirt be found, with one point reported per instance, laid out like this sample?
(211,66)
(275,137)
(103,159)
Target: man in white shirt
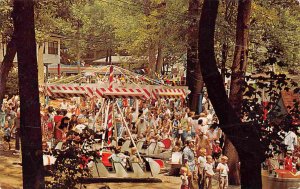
(153,123)
(134,117)
(209,118)
(141,127)
(64,105)
(145,109)
(168,112)
(80,127)
(290,140)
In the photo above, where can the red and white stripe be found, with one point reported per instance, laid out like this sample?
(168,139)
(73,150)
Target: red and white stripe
(65,91)
(111,77)
(110,111)
(122,93)
(168,93)
(109,123)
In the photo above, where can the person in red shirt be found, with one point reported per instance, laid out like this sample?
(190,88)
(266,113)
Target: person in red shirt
(216,150)
(288,161)
(294,164)
(57,121)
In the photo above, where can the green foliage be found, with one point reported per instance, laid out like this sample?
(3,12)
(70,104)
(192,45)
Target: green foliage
(131,26)
(83,25)
(45,21)
(6,26)
(225,30)
(274,34)
(71,164)
(268,89)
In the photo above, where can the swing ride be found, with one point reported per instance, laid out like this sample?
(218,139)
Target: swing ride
(147,166)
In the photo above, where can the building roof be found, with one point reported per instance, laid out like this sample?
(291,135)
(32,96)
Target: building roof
(289,98)
(119,59)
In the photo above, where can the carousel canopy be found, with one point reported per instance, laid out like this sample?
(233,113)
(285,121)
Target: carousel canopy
(126,85)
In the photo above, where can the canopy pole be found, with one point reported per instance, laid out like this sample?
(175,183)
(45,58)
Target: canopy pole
(105,123)
(110,122)
(111,77)
(98,113)
(125,123)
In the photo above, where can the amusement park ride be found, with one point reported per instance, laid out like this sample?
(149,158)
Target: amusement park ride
(102,169)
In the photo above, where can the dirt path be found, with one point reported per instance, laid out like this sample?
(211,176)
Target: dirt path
(11,177)
(10,173)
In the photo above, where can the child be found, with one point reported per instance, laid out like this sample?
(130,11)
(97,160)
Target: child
(223,169)
(184,178)
(288,161)
(209,172)
(217,150)
(7,133)
(201,165)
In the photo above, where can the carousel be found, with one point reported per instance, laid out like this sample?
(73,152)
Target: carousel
(114,86)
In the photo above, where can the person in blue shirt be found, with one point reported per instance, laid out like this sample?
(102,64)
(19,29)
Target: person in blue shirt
(7,133)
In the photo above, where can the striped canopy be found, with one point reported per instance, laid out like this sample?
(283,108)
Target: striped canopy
(128,91)
(65,91)
(168,93)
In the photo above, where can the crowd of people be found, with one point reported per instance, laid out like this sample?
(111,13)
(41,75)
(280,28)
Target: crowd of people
(197,137)
(10,122)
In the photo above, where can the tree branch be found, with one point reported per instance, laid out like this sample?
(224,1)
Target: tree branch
(7,65)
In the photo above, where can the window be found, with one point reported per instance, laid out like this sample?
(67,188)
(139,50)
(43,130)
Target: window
(53,47)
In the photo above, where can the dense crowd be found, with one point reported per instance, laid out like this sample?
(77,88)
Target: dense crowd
(10,121)
(197,137)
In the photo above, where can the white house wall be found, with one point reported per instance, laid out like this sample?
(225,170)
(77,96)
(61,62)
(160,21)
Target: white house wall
(48,58)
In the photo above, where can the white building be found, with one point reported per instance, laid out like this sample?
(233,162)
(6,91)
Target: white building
(51,50)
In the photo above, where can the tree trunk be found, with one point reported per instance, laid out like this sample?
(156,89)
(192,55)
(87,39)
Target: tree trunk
(110,56)
(238,70)
(152,59)
(164,67)
(193,77)
(233,163)
(31,138)
(160,59)
(152,46)
(244,137)
(239,64)
(78,50)
(6,66)
(107,55)
(229,150)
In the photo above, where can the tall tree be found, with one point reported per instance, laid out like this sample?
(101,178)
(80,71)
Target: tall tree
(238,71)
(244,137)
(31,138)
(193,76)
(152,46)
(239,64)
(6,66)
(6,32)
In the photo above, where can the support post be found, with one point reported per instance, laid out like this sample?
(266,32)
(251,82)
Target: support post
(105,124)
(125,123)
